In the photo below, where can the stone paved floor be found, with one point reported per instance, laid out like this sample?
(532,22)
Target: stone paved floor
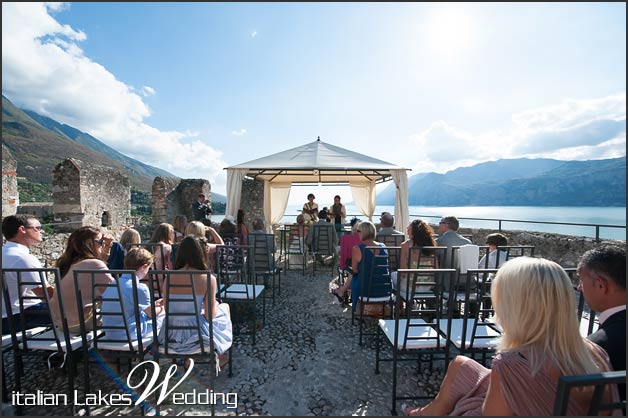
(307,361)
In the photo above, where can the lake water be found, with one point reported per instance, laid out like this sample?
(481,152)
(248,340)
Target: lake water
(581,215)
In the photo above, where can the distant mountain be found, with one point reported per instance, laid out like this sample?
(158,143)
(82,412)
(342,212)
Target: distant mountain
(520,182)
(39,143)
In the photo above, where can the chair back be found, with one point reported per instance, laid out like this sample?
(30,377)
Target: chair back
(262,257)
(428,313)
(184,307)
(322,240)
(479,330)
(392,242)
(57,338)
(231,266)
(599,381)
(296,239)
(375,275)
(115,321)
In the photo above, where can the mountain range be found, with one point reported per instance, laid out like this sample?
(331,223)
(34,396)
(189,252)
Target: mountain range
(38,143)
(520,182)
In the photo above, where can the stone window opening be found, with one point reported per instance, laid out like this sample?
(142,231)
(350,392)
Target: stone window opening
(105,219)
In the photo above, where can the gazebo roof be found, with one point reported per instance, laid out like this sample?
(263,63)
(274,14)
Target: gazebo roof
(318,162)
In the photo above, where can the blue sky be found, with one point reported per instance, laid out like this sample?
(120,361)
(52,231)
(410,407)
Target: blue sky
(195,87)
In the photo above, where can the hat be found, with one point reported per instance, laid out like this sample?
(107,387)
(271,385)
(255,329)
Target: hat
(231,219)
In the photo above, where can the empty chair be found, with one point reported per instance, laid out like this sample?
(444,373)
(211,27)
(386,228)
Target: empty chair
(476,332)
(420,329)
(323,244)
(236,285)
(261,261)
(295,255)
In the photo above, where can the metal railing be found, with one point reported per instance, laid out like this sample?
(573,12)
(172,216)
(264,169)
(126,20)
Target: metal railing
(500,221)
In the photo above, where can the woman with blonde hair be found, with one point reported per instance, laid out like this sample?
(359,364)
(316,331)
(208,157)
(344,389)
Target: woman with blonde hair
(179,223)
(119,249)
(535,306)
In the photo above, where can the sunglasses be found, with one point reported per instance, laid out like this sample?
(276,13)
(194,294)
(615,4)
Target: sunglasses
(99,241)
(36,228)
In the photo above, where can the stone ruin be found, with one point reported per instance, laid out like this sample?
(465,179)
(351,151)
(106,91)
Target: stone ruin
(10,197)
(173,196)
(89,194)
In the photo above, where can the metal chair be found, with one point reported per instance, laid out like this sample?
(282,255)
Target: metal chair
(262,263)
(476,332)
(115,322)
(418,330)
(375,285)
(234,282)
(295,247)
(392,243)
(587,318)
(323,244)
(185,312)
(599,381)
(49,339)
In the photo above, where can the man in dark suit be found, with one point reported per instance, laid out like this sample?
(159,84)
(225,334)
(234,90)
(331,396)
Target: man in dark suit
(602,273)
(201,209)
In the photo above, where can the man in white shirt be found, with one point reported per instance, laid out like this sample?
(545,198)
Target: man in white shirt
(602,273)
(21,232)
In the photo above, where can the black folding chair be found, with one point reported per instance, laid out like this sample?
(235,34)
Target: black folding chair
(599,381)
(422,328)
(31,342)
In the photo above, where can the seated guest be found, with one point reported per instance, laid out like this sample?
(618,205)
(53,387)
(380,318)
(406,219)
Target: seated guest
(118,249)
(602,273)
(494,241)
(140,260)
(84,251)
(192,255)
(414,256)
(164,235)
(259,227)
(179,223)
(241,229)
(363,274)
(22,232)
(228,229)
(347,242)
(196,228)
(534,304)
(387,223)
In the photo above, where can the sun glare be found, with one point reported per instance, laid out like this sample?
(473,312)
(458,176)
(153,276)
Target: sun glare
(448,30)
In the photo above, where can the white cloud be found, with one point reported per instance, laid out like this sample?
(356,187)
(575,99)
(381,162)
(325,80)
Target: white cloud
(571,130)
(148,91)
(45,70)
(239,132)
(254,34)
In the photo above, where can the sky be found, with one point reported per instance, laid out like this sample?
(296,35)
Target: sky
(193,88)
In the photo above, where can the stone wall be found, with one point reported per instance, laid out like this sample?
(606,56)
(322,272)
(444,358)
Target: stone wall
(252,200)
(10,196)
(563,249)
(174,196)
(88,194)
(38,209)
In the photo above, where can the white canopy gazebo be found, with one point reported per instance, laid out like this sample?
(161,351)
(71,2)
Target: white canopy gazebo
(314,163)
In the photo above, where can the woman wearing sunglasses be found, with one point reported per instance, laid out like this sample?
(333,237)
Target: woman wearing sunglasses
(85,250)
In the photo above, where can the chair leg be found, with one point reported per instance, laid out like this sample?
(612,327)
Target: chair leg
(393,411)
(377,350)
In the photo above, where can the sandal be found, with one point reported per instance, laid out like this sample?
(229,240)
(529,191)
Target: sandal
(341,299)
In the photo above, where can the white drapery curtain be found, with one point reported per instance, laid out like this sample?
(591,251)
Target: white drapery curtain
(402,217)
(234,190)
(275,202)
(364,197)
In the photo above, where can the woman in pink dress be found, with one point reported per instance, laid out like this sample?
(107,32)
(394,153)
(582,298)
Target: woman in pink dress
(535,305)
